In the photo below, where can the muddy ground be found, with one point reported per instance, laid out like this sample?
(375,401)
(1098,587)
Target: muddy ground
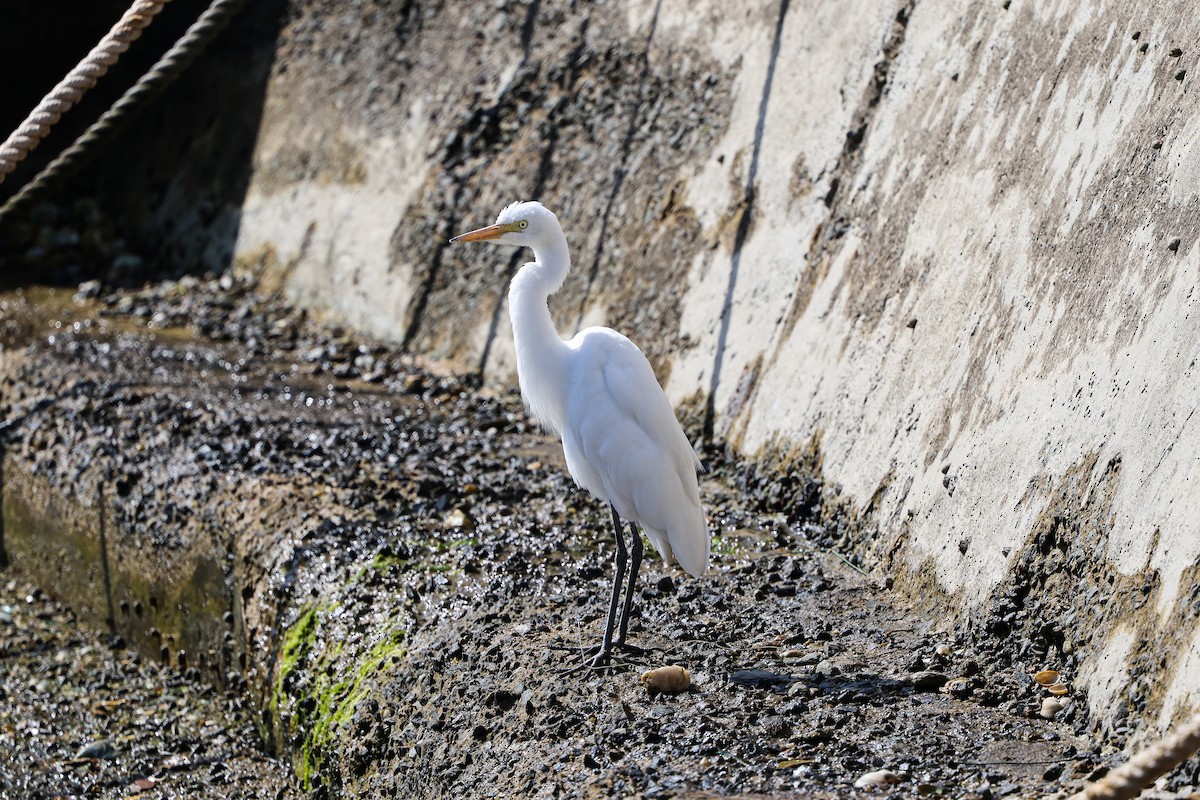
(409,573)
(82,715)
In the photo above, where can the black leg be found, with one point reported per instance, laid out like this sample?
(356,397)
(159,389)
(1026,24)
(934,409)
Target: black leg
(618,579)
(635,562)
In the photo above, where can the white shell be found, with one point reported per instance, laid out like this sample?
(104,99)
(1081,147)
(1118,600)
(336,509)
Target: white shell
(1051,707)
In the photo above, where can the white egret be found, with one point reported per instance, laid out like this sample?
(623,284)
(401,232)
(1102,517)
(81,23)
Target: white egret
(598,393)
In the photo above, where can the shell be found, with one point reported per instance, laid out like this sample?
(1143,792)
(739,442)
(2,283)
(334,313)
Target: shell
(1051,707)
(1058,688)
(666,680)
(1047,677)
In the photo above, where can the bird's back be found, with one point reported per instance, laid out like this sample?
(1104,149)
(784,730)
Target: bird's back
(625,446)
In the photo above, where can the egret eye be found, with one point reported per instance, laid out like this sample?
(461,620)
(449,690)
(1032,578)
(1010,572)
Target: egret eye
(523,224)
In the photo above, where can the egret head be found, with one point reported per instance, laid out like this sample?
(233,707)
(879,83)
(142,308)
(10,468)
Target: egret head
(523,224)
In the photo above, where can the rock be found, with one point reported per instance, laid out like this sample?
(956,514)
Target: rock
(927,680)
(88,290)
(759,678)
(101,748)
(828,668)
(672,679)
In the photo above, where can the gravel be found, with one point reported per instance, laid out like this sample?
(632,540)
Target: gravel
(83,716)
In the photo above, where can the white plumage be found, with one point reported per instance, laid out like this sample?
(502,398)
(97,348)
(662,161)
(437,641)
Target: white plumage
(624,445)
(598,393)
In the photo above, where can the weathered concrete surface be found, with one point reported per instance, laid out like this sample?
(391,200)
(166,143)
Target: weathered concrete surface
(949,248)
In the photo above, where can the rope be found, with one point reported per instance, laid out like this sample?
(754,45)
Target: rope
(1128,780)
(78,81)
(161,75)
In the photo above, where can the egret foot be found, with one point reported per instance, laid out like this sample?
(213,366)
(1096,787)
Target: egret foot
(598,658)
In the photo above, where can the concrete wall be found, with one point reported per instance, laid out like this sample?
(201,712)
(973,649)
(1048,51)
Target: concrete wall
(951,245)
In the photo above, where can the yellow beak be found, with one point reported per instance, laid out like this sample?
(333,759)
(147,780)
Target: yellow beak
(481,235)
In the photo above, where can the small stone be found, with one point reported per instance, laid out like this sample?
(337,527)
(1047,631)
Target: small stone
(672,679)
(927,680)
(1173,245)
(1176,52)
(828,668)
(101,748)
(88,290)
(1180,75)
(879,777)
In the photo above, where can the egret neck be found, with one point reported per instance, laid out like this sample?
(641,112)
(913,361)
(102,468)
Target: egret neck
(541,352)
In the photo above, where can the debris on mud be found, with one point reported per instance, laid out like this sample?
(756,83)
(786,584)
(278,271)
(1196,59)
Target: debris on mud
(411,571)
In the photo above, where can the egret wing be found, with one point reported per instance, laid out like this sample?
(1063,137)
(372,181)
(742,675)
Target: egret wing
(622,426)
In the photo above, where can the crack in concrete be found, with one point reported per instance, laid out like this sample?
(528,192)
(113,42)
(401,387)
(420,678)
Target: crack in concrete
(104,568)
(833,228)
(421,301)
(539,185)
(621,171)
(743,228)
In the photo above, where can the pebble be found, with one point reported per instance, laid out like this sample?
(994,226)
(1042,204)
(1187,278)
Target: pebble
(88,290)
(672,679)
(879,777)
(927,680)
(101,748)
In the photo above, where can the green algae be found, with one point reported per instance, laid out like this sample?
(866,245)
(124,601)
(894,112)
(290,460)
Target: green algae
(336,696)
(323,688)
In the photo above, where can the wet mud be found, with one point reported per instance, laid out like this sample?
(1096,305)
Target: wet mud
(404,574)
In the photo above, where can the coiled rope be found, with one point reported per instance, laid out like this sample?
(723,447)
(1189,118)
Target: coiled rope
(78,81)
(161,75)
(1128,780)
